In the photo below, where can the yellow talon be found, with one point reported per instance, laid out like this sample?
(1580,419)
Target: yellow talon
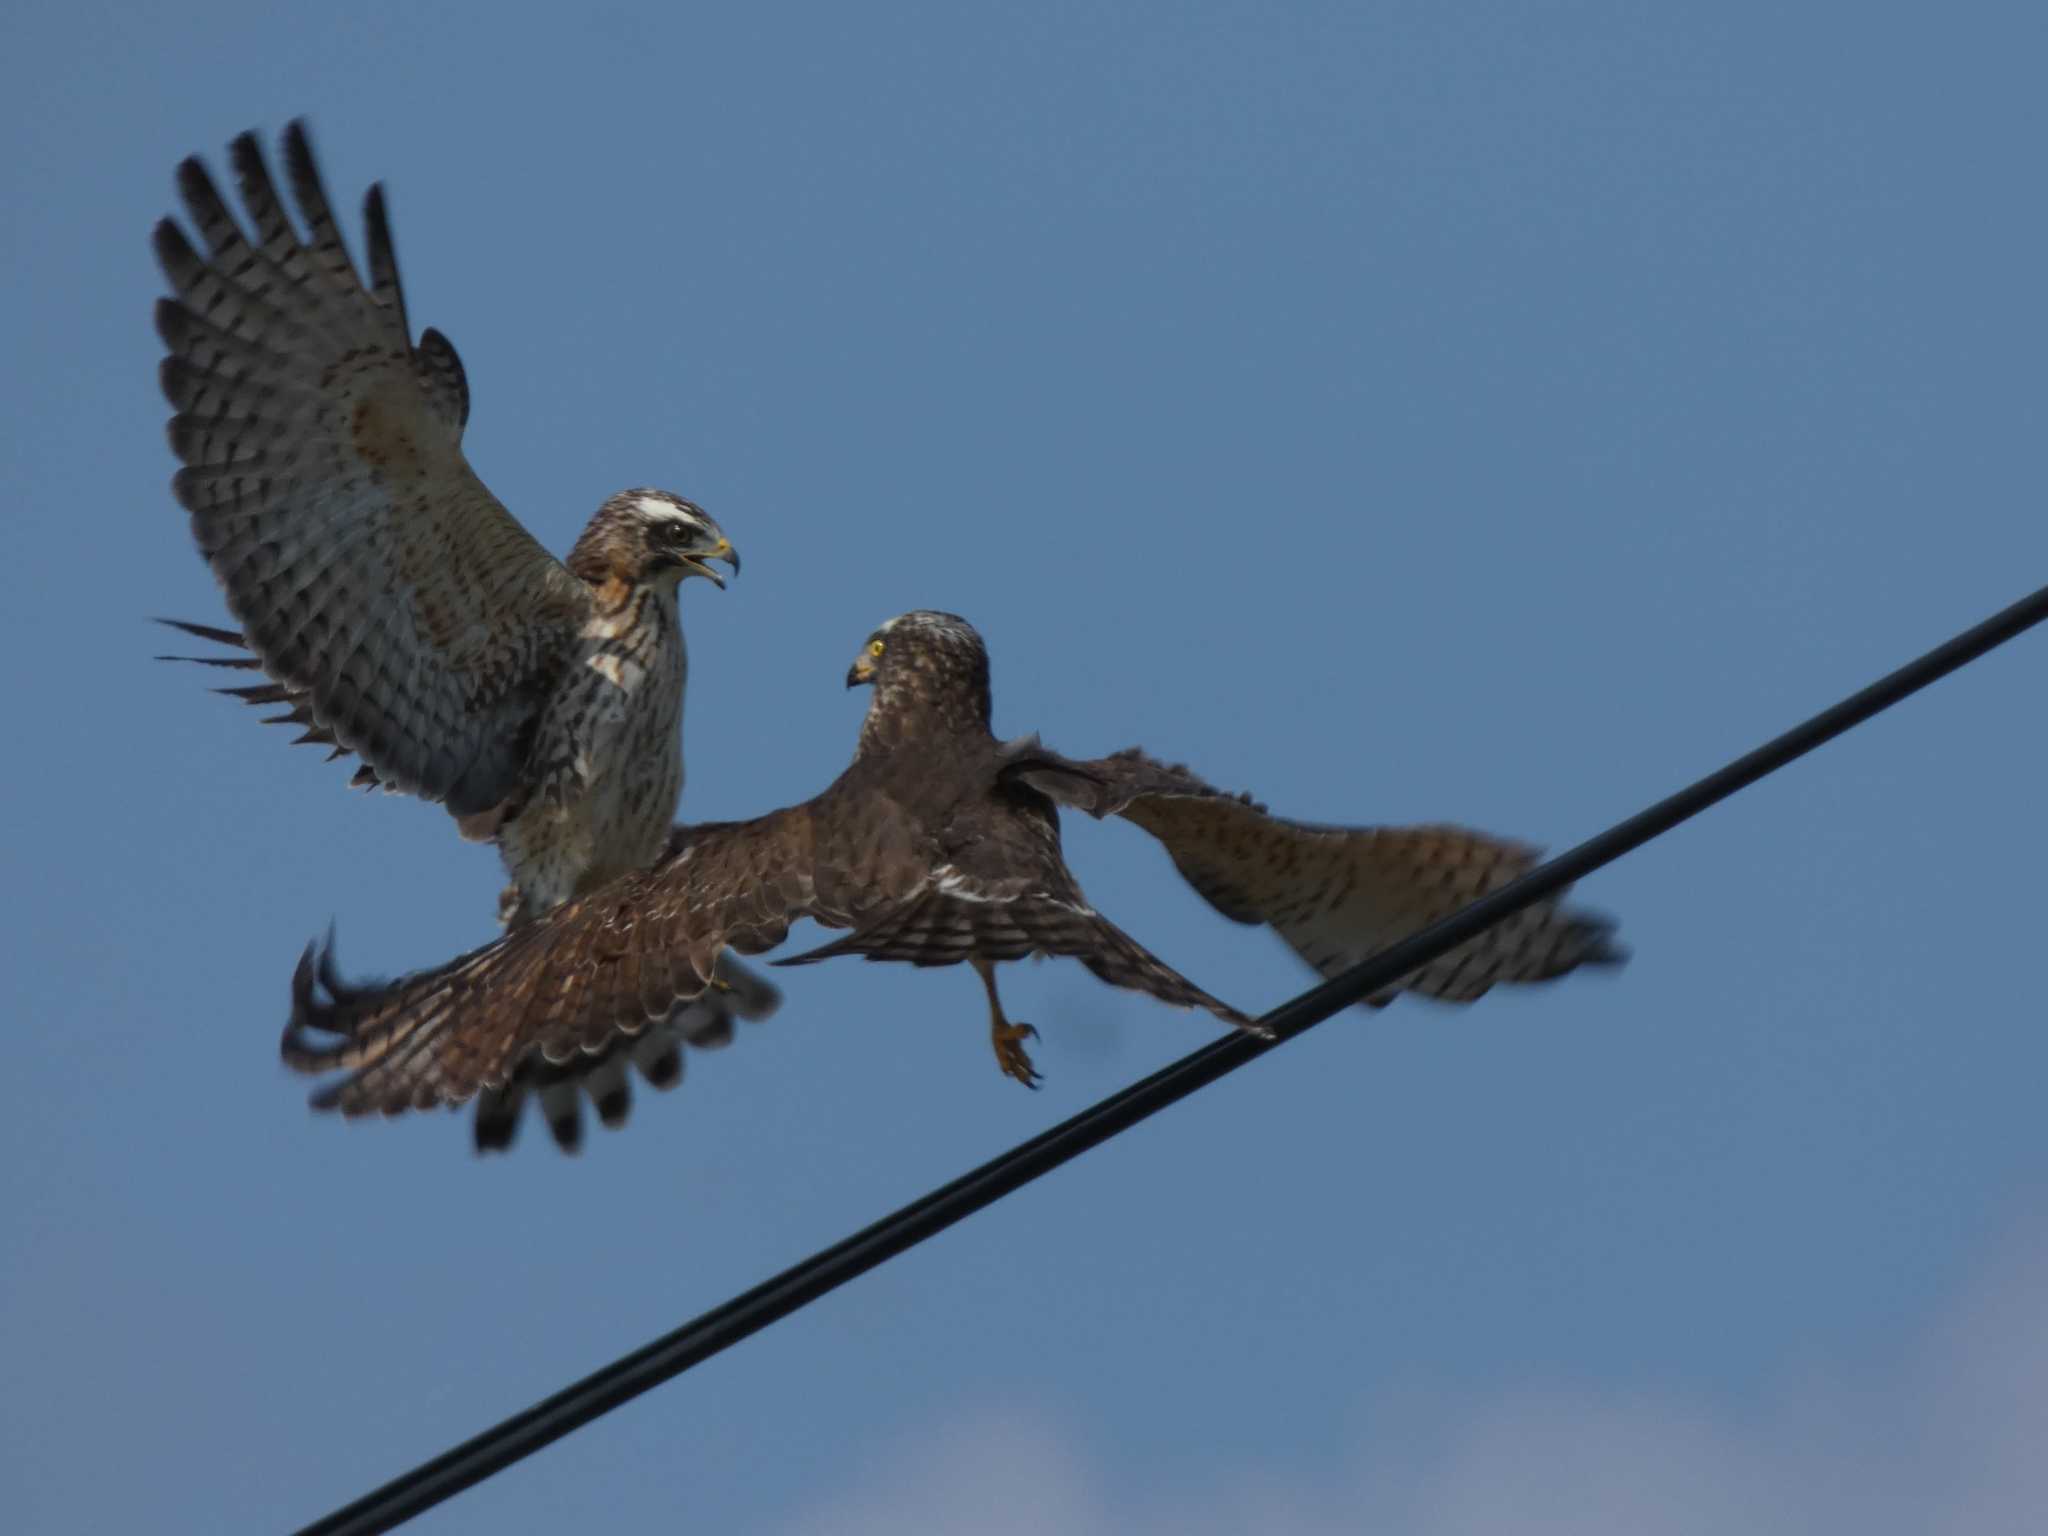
(1015,1061)
(1007,1038)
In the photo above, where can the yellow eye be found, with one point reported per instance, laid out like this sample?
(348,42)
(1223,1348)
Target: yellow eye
(875,647)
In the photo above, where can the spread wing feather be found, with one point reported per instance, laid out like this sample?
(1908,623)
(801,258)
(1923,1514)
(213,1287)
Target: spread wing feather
(1005,893)
(403,612)
(657,1055)
(1337,895)
(955,920)
(568,986)
(298,704)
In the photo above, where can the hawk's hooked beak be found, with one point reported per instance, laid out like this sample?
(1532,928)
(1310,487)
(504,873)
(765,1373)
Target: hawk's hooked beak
(862,671)
(693,561)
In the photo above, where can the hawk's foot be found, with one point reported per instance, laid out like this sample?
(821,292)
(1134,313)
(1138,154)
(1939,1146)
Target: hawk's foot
(1008,1040)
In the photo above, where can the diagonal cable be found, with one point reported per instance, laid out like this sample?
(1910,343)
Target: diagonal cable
(626,1378)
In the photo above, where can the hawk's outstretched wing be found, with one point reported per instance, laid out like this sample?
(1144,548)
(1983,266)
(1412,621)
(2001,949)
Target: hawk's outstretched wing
(1337,895)
(568,985)
(398,607)
(951,921)
(1005,893)
(559,1088)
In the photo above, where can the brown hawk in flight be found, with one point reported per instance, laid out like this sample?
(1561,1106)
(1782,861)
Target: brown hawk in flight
(937,845)
(400,613)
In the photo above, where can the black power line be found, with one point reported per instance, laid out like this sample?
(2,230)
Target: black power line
(626,1378)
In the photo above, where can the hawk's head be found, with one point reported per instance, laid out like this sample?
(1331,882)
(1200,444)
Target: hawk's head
(926,664)
(649,536)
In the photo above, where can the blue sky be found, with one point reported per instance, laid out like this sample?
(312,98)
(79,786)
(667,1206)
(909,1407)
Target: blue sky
(1491,413)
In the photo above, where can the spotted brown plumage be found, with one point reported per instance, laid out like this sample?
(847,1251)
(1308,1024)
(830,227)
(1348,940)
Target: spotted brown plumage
(397,610)
(929,847)
(1337,895)
(558,1089)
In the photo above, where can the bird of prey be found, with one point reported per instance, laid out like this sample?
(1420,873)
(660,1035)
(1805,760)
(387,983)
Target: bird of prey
(397,610)
(931,848)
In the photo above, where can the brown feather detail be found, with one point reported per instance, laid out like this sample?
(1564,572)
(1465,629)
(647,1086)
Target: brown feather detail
(940,929)
(553,986)
(1337,895)
(657,1054)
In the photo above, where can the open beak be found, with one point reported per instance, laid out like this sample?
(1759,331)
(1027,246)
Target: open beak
(693,563)
(862,671)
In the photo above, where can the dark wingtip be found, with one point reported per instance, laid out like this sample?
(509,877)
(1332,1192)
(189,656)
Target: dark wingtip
(210,632)
(235,663)
(245,154)
(377,221)
(614,1105)
(567,1129)
(304,972)
(302,167)
(714,1034)
(665,1071)
(172,251)
(194,182)
(1602,947)
(293,1047)
(1610,954)
(173,320)
(328,1098)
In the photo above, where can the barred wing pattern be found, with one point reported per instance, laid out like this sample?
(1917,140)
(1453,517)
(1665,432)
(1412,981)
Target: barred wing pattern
(401,611)
(738,992)
(958,920)
(1001,890)
(1337,895)
(568,986)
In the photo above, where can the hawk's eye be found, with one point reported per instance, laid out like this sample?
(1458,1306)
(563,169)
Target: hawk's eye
(875,647)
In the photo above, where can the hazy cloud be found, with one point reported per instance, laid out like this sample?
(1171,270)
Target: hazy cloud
(1950,1438)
